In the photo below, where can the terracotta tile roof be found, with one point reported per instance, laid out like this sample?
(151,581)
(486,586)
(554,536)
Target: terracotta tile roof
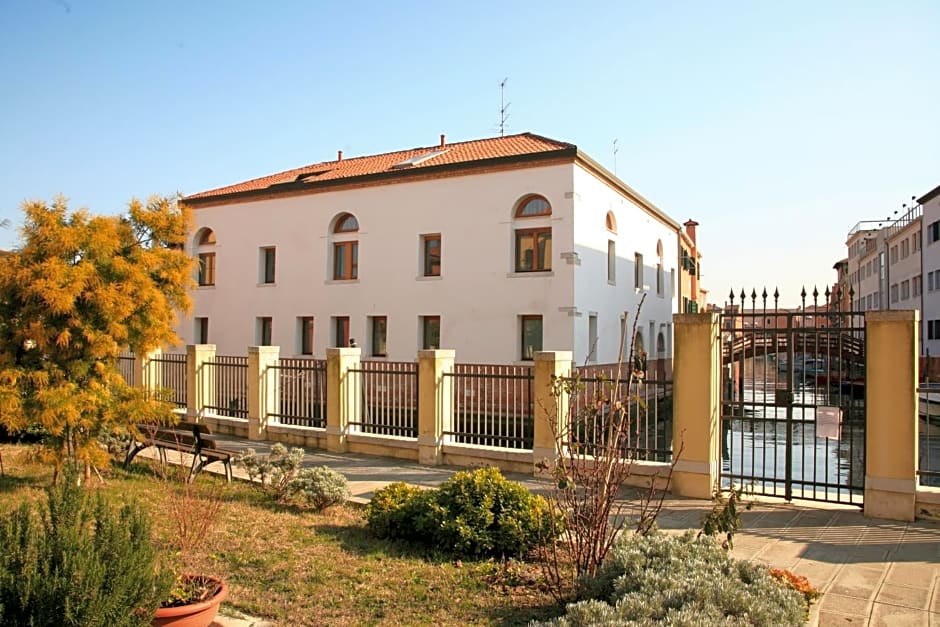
(398,162)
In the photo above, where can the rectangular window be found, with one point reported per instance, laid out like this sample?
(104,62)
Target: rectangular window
(306,334)
(206,269)
(611,261)
(905,290)
(592,337)
(894,254)
(915,241)
(672,282)
(341,331)
(916,286)
(379,333)
(933,232)
(905,248)
(660,279)
(345,261)
(202,331)
(531,336)
(534,250)
(638,271)
(267,265)
(431,254)
(930,285)
(933,329)
(894,293)
(430,332)
(263,331)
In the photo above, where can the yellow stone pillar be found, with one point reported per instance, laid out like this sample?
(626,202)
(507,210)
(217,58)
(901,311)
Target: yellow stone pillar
(551,410)
(435,403)
(891,370)
(264,389)
(200,379)
(696,404)
(343,390)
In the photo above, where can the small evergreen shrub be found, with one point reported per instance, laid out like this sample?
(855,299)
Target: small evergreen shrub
(318,488)
(78,561)
(398,511)
(681,580)
(474,514)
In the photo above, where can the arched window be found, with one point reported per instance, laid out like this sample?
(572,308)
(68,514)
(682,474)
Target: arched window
(532,206)
(611,222)
(346,223)
(345,247)
(533,234)
(205,253)
(660,272)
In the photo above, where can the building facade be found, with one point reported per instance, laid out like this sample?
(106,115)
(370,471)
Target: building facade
(496,248)
(930,310)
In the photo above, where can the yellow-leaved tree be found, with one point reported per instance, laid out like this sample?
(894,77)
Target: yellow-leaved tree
(78,291)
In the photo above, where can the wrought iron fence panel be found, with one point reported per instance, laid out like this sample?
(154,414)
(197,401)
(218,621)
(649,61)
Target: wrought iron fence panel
(928,434)
(793,390)
(604,399)
(173,376)
(230,374)
(302,384)
(492,405)
(125,366)
(388,400)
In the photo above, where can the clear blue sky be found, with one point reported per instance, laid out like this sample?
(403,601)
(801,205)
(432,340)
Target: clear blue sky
(776,125)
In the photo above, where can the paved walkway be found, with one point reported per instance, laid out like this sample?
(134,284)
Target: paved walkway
(871,572)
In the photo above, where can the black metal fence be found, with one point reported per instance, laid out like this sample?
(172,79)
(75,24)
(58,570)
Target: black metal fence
(230,374)
(388,402)
(302,400)
(605,396)
(928,434)
(492,405)
(793,399)
(173,376)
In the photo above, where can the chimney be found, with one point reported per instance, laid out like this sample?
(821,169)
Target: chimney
(442,140)
(690,229)
(339,155)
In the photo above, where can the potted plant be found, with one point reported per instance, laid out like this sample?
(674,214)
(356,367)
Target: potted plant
(193,602)
(191,511)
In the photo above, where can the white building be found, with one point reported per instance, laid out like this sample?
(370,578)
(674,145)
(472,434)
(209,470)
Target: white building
(930,313)
(496,248)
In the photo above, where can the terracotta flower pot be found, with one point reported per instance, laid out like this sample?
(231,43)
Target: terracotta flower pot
(199,614)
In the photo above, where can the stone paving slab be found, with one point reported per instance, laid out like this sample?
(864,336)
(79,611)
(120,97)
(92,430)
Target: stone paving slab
(871,572)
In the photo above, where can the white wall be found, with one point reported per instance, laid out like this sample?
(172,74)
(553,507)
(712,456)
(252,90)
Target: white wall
(478,296)
(637,232)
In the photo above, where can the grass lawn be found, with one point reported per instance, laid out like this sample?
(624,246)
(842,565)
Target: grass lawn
(300,568)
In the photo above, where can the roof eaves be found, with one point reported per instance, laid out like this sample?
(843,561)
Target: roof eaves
(929,195)
(404,174)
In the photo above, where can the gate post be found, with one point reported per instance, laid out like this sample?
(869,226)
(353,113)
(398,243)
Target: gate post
(342,392)
(891,414)
(264,383)
(435,403)
(148,373)
(696,403)
(550,412)
(200,379)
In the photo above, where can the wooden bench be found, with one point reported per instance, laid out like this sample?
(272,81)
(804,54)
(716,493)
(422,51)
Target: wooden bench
(185,437)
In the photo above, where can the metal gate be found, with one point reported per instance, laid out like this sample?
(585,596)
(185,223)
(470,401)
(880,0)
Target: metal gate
(793,399)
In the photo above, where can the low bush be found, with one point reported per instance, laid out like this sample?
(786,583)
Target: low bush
(681,580)
(274,471)
(473,514)
(78,561)
(318,488)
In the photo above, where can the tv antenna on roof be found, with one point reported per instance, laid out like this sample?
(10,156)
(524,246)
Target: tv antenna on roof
(503,107)
(615,157)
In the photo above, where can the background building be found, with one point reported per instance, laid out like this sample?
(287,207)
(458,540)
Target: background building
(497,248)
